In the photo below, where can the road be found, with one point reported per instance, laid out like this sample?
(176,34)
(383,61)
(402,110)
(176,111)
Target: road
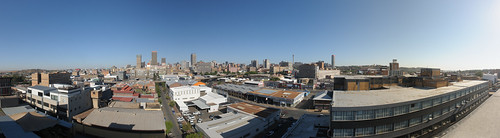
(167,112)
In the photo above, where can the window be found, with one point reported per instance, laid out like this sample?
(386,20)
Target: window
(401,125)
(415,121)
(427,118)
(446,110)
(343,132)
(364,115)
(437,113)
(54,97)
(40,94)
(386,112)
(436,101)
(426,104)
(401,110)
(446,98)
(367,131)
(29,91)
(343,115)
(383,128)
(415,107)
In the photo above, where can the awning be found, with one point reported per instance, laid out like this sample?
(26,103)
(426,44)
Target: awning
(200,104)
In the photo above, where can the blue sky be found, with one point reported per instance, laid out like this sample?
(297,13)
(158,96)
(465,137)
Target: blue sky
(458,34)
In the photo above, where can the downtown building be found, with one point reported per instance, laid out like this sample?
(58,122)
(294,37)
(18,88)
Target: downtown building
(403,111)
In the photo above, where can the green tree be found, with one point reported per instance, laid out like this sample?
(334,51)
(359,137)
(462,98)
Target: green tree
(186,127)
(479,73)
(274,79)
(171,103)
(168,126)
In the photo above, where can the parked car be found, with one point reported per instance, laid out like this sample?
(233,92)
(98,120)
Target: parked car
(199,120)
(197,113)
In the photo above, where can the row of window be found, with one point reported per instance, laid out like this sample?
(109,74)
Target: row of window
(404,109)
(186,92)
(368,131)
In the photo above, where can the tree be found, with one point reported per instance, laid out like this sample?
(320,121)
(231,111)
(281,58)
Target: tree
(479,73)
(186,127)
(171,103)
(275,79)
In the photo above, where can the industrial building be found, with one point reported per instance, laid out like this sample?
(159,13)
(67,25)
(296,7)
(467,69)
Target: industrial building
(402,111)
(262,95)
(241,120)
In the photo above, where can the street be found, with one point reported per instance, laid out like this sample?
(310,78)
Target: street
(167,112)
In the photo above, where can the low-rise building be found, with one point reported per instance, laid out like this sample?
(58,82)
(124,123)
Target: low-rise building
(241,120)
(63,101)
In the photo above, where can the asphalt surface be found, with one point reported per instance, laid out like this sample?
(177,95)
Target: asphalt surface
(167,112)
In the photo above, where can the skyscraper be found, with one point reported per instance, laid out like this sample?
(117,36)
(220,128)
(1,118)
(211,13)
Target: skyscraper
(255,63)
(193,59)
(163,61)
(333,61)
(139,61)
(267,64)
(154,59)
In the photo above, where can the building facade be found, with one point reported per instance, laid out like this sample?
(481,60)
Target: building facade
(404,112)
(267,64)
(154,58)
(193,59)
(63,102)
(5,85)
(139,61)
(45,79)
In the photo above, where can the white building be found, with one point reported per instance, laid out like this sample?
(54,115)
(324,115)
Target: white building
(213,100)
(491,77)
(63,100)
(184,93)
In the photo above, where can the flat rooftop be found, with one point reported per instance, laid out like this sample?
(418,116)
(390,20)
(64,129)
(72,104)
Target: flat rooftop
(480,123)
(307,126)
(254,109)
(126,119)
(229,125)
(395,94)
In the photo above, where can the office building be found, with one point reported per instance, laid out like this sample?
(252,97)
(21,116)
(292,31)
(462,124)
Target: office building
(64,101)
(193,59)
(403,111)
(5,85)
(187,93)
(333,61)
(241,120)
(394,68)
(163,61)
(267,64)
(139,61)
(204,67)
(255,63)
(321,65)
(154,58)
(45,79)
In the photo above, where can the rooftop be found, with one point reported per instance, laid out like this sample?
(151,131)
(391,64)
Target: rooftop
(307,126)
(324,96)
(228,125)
(254,109)
(394,94)
(126,119)
(43,88)
(277,93)
(481,123)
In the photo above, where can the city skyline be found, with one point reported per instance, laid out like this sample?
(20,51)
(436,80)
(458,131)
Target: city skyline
(457,35)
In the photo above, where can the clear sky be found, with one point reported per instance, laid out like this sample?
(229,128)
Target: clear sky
(448,34)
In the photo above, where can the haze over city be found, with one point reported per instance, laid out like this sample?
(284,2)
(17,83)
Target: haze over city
(451,35)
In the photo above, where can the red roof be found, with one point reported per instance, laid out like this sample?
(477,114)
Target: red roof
(147,96)
(124,99)
(136,94)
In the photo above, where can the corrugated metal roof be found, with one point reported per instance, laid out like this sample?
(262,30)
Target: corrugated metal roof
(11,129)
(126,119)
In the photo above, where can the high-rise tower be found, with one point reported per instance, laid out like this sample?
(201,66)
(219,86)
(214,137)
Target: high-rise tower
(154,58)
(139,61)
(193,59)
